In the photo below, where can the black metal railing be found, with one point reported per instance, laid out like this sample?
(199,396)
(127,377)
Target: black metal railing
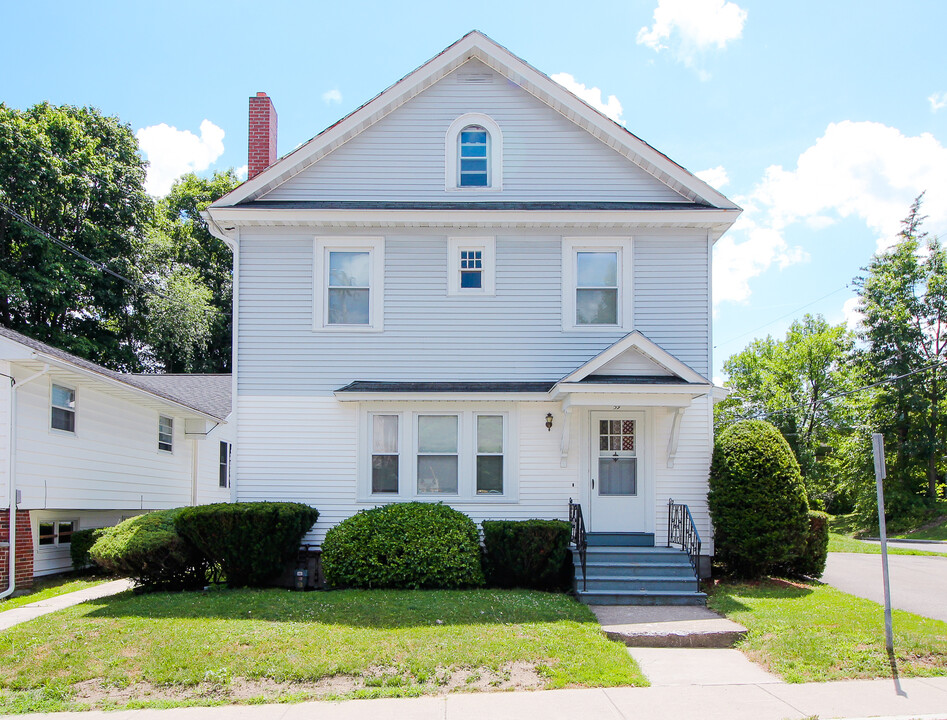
(682,531)
(579,537)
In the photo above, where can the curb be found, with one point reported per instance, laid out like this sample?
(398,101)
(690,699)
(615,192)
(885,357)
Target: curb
(709,639)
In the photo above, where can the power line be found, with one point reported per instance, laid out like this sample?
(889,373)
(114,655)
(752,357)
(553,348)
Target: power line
(94,263)
(781,317)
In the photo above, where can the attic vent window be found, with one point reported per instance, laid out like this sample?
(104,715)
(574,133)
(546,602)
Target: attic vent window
(475,78)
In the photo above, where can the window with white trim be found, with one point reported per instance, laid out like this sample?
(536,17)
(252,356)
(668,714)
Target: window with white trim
(472,266)
(473,154)
(165,433)
(63,408)
(430,454)
(596,283)
(223,474)
(348,283)
(51,533)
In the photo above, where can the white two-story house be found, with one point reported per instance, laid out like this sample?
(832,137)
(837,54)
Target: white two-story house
(475,289)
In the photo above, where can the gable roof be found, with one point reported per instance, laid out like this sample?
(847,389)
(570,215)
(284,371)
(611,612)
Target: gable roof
(475,45)
(208,395)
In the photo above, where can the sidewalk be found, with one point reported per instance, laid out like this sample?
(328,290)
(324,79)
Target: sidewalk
(922,698)
(24,613)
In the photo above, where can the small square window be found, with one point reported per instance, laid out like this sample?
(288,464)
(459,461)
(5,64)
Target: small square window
(472,266)
(63,402)
(165,433)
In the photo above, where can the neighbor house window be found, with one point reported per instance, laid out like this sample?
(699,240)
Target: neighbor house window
(474,154)
(63,401)
(472,266)
(386,459)
(437,454)
(223,478)
(55,532)
(596,283)
(165,433)
(349,275)
(489,454)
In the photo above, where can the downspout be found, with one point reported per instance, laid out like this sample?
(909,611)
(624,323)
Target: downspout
(11,476)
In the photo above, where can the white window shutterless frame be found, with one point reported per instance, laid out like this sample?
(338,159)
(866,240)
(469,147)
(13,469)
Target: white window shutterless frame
(471,255)
(603,272)
(348,284)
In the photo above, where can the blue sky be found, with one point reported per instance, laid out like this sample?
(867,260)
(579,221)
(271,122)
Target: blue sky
(822,119)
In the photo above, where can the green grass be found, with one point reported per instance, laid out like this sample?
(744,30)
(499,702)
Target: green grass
(389,643)
(45,589)
(815,633)
(845,544)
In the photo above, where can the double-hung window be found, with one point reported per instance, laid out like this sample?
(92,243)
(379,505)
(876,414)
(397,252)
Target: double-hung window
(474,163)
(473,154)
(438,462)
(596,287)
(63,407)
(223,475)
(489,454)
(386,459)
(348,283)
(472,266)
(165,433)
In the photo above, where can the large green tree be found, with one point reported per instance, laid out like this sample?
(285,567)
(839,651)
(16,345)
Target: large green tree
(791,383)
(77,174)
(903,300)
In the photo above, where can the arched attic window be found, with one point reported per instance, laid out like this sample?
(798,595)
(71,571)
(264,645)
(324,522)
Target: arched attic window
(474,154)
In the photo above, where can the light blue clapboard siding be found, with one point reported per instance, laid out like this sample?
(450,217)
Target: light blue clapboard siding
(515,335)
(545,156)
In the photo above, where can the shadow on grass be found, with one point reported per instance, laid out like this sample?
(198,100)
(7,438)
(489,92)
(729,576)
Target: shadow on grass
(355,608)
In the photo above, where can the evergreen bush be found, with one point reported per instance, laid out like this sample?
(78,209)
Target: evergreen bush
(79,546)
(251,542)
(404,545)
(148,549)
(527,554)
(757,500)
(811,562)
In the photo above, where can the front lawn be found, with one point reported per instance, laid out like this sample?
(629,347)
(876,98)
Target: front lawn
(815,633)
(45,589)
(253,645)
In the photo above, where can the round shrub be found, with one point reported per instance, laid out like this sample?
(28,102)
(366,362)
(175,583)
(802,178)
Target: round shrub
(811,562)
(149,550)
(82,541)
(250,541)
(528,554)
(757,500)
(404,545)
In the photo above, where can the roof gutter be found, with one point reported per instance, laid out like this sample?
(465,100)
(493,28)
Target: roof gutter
(11,475)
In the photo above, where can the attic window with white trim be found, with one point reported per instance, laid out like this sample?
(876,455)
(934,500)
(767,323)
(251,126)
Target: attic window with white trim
(474,154)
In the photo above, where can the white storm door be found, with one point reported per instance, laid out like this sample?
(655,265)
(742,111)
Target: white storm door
(617,466)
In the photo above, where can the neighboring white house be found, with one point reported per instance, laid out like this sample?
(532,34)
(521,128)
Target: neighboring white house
(474,289)
(92,446)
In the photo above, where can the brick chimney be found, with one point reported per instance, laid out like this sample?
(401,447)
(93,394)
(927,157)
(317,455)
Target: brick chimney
(262,134)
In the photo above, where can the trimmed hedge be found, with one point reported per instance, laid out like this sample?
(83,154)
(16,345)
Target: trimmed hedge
(404,545)
(527,554)
(756,499)
(250,541)
(811,563)
(149,550)
(82,541)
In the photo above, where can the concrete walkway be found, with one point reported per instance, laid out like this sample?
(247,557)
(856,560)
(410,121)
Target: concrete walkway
(668,667)
(664,626)
(25,613)
(919,698)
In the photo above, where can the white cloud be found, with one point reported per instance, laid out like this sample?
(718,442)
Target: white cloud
(716,177)
(332,96)
(242,172)
(592,95)
(853,316)
(863,170)
(695,25)
(938,101)
(171,153)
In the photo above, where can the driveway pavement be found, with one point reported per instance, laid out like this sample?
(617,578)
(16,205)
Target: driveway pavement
(918,583)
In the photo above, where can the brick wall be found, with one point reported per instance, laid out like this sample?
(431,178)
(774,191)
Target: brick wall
(24,549)
(262,142)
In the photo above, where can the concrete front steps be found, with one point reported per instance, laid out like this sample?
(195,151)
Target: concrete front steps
(622,570)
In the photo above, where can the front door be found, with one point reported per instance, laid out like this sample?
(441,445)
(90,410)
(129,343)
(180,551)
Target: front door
(617,467)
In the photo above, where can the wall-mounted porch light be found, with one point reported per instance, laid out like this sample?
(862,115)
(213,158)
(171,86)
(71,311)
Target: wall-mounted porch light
(549,421)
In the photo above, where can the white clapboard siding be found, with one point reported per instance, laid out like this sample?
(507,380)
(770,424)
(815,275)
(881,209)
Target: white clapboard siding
(545,156)
(112,461)
(515,335)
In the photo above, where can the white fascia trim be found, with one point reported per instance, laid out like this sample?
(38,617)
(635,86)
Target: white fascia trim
(631,389)
(719,394)
(488,275)
(41,357)
(651,350)
(355,397)
(478,46)
(452,151)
